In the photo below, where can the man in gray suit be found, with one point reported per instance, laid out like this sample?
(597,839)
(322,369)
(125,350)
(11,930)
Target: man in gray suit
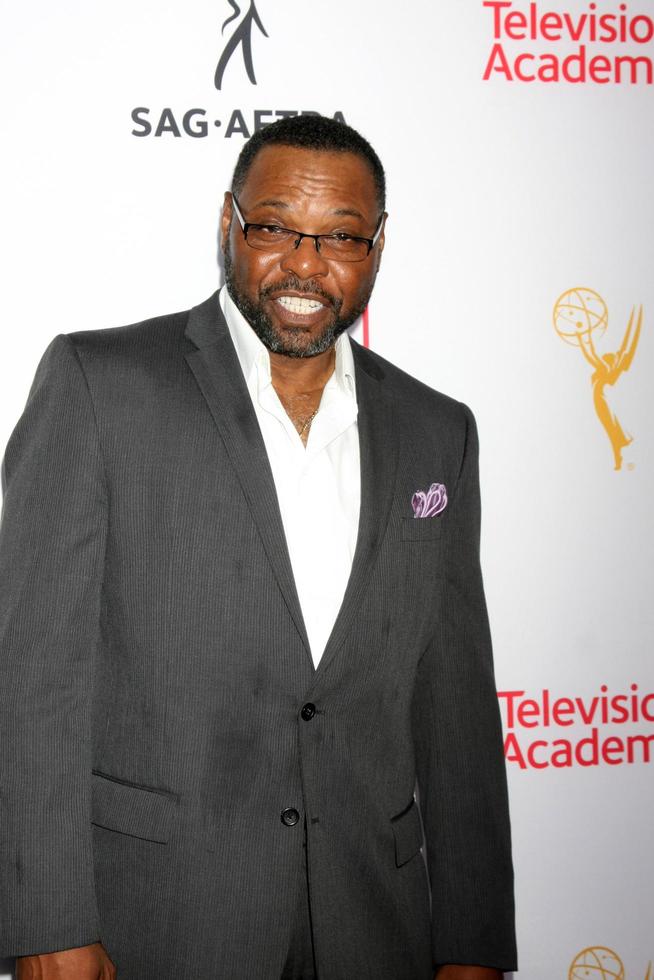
(241,618)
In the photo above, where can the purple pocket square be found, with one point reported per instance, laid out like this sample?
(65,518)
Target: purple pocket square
(431,503)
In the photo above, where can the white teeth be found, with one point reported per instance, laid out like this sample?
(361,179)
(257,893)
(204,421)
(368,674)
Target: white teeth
(297,304)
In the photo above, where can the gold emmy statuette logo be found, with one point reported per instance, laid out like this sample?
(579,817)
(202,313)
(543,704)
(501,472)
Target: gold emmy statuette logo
(580,318)
(596,963)
(599,963)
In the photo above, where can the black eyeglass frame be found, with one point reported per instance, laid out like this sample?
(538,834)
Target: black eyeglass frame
(246,225)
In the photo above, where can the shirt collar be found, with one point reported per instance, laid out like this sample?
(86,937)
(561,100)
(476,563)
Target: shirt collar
(249,349)
(253,355)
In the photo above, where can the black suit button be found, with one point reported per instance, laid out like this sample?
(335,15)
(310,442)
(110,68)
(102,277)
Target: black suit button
(308,711)
(290,816)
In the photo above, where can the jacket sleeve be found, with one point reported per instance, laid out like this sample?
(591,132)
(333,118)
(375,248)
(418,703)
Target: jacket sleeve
(459,754)
(52,541)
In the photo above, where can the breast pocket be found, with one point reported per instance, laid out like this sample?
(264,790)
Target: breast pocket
(422,528)
(133,810)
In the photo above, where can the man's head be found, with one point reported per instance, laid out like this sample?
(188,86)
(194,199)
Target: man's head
(318,177)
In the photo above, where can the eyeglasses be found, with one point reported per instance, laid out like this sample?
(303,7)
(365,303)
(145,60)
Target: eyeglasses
(339,246)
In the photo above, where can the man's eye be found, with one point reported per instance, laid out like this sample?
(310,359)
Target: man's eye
(340,236)
(272,229)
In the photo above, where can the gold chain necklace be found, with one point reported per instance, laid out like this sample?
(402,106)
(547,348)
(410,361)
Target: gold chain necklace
(307,423)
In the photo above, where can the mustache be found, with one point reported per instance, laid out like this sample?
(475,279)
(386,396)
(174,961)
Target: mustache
(299,286)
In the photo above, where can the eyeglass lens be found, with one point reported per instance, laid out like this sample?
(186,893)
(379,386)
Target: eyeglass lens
(270,237)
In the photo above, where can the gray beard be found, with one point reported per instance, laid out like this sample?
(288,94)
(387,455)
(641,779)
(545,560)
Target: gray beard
(290,344)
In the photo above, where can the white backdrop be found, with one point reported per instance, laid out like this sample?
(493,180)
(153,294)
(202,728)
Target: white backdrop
(503,195)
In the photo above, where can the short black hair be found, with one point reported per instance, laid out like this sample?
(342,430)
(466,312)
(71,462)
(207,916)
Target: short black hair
(311,132)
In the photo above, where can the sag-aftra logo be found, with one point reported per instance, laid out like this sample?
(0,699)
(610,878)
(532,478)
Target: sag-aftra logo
(241,37)
(237,38)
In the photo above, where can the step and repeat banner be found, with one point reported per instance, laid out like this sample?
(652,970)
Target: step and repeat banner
(518,139)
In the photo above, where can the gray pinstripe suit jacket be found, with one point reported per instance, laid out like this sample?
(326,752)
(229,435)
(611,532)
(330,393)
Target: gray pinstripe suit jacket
(154,661)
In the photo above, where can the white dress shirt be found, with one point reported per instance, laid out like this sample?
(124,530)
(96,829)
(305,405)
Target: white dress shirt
(318,487)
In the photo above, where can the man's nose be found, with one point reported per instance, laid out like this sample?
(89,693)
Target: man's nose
(305,260)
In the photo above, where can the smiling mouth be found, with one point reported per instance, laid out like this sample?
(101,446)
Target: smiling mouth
(299,305)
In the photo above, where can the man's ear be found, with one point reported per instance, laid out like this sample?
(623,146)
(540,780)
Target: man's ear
(226,219)
(381,242)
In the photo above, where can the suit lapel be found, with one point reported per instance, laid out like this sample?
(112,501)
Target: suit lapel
(219,376)
(378,451)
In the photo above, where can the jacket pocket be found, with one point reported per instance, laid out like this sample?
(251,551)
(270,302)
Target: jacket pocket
(422,528)
(407,830)
(132,810)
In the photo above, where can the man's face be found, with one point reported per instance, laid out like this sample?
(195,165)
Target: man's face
(310,191)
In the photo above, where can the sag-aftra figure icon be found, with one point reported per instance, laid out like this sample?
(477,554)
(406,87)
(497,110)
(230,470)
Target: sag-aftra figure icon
(241,37)
(579,314)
